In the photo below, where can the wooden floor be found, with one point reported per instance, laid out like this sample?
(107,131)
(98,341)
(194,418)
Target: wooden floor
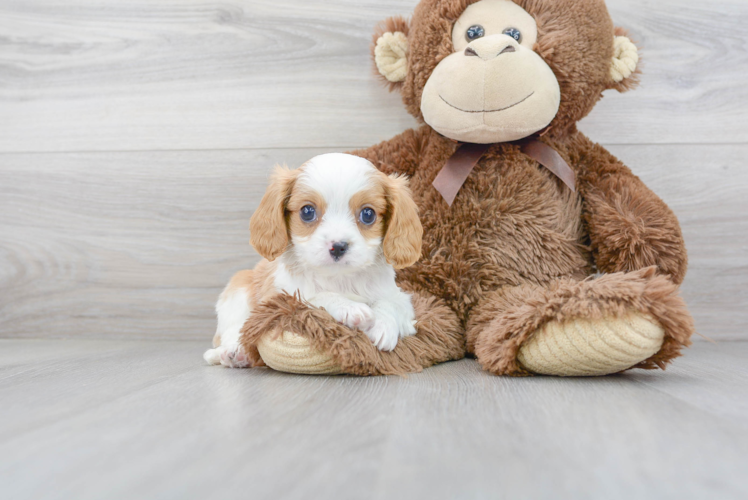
(93,419)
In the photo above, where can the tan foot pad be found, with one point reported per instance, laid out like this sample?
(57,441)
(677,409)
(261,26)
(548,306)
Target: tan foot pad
(584,347)
(293,353)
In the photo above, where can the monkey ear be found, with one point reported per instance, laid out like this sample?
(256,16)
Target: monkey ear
(390,51)
(268,233)
(624,73)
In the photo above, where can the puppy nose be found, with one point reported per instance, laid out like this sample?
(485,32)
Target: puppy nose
(491,47)
(338,249)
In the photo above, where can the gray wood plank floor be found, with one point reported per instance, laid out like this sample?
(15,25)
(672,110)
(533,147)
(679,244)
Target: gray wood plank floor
(88,419)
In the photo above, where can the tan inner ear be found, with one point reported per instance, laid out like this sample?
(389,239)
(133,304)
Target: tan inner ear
(625,59)
(391,56)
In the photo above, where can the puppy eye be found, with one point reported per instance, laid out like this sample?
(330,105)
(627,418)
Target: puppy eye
(474,32)
(514,33)
(367,216)
(308,213)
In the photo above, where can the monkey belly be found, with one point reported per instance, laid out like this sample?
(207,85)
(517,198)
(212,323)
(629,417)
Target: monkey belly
(513,222)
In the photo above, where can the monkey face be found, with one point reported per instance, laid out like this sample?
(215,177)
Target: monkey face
(490,71)
(494,87)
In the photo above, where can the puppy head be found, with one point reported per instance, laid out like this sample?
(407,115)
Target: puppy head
(339,214)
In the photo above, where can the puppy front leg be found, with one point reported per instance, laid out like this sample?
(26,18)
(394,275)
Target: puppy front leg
(346,311)
(232,310)
(394,318)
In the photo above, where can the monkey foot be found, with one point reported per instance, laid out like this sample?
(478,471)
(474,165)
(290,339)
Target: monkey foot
(587,347)
(293,353)
(321,345)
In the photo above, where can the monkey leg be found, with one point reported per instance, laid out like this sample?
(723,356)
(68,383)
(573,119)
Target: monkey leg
(581,328)
(291,336)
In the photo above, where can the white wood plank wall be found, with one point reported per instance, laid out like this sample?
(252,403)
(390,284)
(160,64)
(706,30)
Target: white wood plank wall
(136,137)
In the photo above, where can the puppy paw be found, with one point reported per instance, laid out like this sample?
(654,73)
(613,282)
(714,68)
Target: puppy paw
(232,356)
(384,333)
(212,357)
(353,315)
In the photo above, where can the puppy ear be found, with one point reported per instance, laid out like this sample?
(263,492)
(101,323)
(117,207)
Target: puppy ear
(268,233)
(390,51)
(404,233)
(624,71)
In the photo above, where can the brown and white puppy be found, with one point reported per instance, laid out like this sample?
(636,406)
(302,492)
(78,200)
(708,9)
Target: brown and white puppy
(333,231)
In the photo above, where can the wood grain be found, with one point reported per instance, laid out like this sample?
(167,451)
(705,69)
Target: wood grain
(144,419)
(139,244)
(125,243)
(89,75)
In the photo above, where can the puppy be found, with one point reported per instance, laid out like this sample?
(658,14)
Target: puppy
(333,231)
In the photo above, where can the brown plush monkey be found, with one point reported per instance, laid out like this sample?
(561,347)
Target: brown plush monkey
(525,272)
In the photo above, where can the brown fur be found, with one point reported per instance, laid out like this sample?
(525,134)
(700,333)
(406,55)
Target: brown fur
(515,225)
(300,197)
(575,38)
(375,199)
(629,226)
(260,282)
(517,247)
(267,227)
(509,316)
(402,241)
(440,336)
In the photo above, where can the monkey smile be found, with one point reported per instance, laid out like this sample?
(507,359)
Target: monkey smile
(486,110)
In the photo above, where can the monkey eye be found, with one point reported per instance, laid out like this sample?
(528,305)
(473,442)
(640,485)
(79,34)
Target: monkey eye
(474,32)
(367,216)
(514,33)
(308,213)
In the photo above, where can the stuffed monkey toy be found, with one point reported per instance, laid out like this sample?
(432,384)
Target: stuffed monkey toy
(542,253)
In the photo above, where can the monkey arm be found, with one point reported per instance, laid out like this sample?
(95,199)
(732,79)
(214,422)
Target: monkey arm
(401,154)
(629,226)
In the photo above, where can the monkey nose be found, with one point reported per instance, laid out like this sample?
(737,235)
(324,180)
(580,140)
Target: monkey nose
(491,47)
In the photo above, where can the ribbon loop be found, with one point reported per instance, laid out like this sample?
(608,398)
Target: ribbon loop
(457,169)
